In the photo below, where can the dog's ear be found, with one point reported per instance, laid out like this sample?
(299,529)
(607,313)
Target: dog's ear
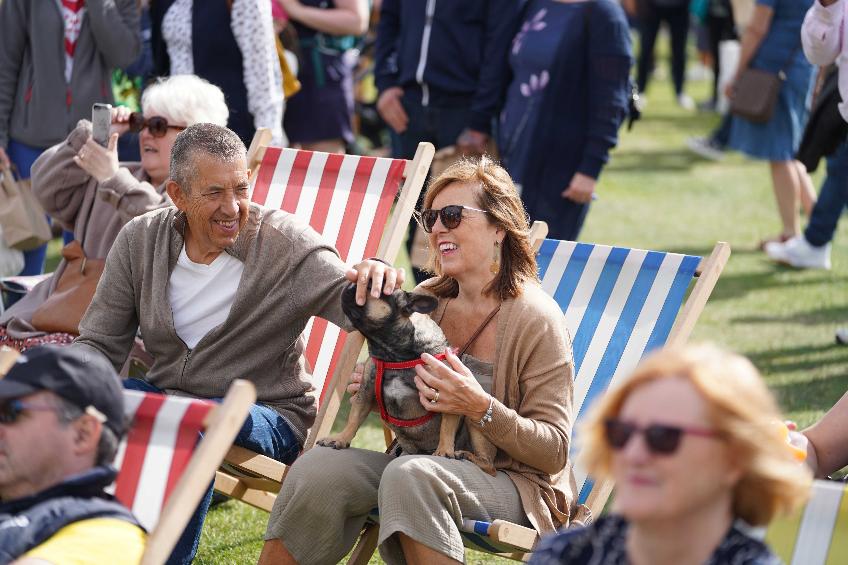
(421,303)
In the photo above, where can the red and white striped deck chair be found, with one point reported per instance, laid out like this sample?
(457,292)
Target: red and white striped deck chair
(363,206)
(163,471)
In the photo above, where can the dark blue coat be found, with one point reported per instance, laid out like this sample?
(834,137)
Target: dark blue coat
(460,62)
(26,523)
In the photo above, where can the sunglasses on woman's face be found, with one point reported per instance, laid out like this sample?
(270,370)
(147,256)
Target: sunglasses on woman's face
(660,439)
(156,125)
(450,216)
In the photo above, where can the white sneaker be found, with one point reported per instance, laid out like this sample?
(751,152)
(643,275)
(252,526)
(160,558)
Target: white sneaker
(685,101)
(842,336)
(705,147)
(799,253)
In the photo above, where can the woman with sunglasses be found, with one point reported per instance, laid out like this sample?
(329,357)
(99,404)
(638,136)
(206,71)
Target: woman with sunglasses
(692,440)
(82,185)
(511,378)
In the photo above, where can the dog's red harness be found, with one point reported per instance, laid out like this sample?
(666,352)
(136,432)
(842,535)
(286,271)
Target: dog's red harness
(384,414)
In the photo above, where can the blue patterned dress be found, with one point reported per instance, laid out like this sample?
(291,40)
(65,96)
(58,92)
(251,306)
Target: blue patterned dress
(778,139)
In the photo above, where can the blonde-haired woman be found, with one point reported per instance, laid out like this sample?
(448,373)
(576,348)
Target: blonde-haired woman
(514,383)
(692,441)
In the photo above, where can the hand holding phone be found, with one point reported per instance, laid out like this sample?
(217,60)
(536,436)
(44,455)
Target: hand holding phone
(101,120)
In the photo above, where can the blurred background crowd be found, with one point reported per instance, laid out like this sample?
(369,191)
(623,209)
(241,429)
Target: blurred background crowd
(543,85)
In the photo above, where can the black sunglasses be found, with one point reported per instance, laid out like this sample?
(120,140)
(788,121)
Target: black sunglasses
(11,410)
(451,216)
(156,125)
(660,439)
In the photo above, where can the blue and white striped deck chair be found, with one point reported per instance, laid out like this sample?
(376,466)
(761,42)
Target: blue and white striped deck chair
(816,534)
(619,303)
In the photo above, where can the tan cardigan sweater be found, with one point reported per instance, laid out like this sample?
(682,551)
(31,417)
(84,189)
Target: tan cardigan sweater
(533,414)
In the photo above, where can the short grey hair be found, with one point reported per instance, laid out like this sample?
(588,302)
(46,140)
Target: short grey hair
(186,100)
(216,141)
(107,446)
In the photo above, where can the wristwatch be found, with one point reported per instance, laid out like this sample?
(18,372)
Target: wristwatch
(487,417)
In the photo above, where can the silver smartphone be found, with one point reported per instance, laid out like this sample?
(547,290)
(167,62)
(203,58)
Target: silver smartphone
(101,121)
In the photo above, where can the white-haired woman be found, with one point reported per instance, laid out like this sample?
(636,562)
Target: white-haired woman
(82,185)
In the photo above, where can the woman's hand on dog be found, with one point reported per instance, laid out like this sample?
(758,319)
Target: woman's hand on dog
(355,382)
(458,390)
(380,275)
(355,379)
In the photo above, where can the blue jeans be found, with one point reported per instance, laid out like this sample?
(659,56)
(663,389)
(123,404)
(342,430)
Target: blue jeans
(23,156)
(264,431)
(832,199)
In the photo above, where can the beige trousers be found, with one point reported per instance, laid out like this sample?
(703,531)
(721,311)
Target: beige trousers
(328,494)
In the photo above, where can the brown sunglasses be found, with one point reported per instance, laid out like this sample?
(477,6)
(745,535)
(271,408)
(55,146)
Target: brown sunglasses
(156,125)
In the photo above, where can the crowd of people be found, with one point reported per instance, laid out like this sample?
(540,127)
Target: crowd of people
(165,251)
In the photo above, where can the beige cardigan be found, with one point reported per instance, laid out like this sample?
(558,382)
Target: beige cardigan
(533,414)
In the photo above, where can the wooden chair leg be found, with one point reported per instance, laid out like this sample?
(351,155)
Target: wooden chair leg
(366,545)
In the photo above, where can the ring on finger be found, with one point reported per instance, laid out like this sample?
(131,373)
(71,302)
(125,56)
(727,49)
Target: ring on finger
(435,398)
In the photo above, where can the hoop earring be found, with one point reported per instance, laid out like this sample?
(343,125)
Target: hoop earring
(495,267)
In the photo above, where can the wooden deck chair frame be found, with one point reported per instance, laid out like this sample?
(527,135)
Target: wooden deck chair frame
(222,423)
(256,479)
(817,533)
(521,538)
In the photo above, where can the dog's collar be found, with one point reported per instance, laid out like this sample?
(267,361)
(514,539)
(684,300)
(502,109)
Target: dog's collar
(384,414)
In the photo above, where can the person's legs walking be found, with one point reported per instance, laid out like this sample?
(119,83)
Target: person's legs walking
(649,25)
(812,249)
(832,199)
(784,181)
(678,24)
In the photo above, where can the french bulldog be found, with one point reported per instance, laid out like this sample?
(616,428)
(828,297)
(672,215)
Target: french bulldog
(398,329)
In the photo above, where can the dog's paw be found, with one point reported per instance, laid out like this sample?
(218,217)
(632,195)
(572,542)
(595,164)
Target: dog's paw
(445,453)
(483,462)
(333,442)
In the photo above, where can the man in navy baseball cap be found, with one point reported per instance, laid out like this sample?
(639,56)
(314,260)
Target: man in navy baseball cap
(61,420)
(81,378)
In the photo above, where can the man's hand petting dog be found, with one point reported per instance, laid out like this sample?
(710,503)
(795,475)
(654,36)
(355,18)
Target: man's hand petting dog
(458,390)
(378,275)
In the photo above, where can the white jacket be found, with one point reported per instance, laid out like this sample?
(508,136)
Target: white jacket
(823,37)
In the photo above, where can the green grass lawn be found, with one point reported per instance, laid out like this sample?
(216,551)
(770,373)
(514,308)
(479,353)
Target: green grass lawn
(656,195)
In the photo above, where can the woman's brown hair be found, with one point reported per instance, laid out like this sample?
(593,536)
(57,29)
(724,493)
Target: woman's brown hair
(496,194)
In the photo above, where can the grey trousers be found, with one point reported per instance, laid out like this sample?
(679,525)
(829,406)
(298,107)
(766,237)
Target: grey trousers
(328,494)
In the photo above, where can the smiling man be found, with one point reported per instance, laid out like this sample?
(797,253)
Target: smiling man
(222,289)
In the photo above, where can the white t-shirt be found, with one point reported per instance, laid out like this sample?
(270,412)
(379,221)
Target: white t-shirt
(201,295)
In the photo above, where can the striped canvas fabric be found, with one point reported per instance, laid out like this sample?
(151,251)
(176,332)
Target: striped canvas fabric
(347,199)
(816,534)
(619,303)
(162,436)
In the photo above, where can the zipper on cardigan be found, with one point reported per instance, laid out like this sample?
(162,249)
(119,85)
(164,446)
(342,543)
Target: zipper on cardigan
(185,362)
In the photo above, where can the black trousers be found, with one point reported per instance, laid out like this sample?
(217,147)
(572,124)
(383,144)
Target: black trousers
(651,16)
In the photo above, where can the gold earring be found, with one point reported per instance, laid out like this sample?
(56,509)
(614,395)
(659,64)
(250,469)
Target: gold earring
(495,267)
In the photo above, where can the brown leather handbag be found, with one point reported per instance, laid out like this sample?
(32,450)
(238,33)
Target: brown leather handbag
(755,93)
(65,307)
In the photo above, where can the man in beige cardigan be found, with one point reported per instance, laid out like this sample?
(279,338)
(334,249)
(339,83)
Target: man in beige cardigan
(222,289)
